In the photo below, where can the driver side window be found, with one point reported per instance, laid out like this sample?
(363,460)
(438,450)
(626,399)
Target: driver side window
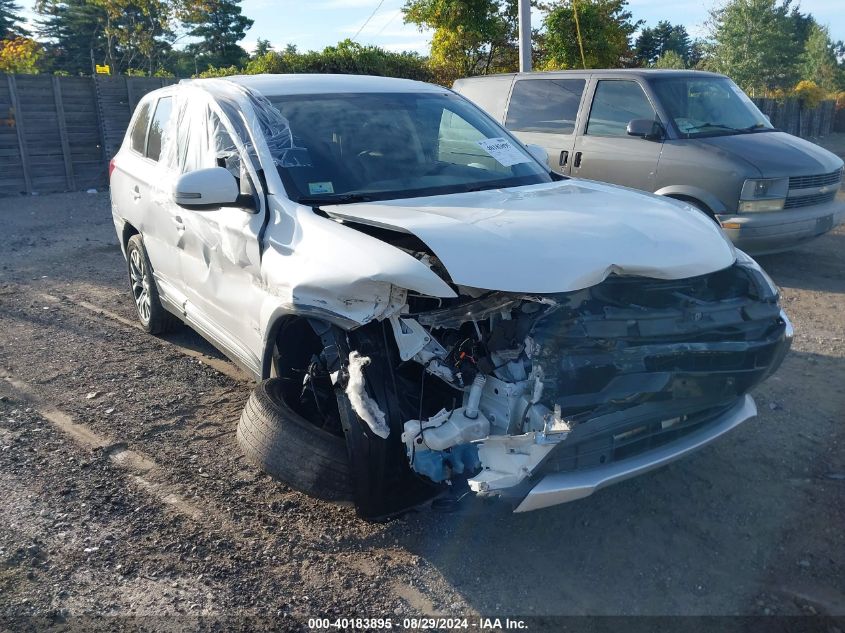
(616,102)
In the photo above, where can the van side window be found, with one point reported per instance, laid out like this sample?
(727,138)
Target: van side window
(157,127)
(614,105)
(545,105)
(139,130)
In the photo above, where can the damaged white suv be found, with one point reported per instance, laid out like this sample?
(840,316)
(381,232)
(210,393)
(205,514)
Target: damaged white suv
(429,310)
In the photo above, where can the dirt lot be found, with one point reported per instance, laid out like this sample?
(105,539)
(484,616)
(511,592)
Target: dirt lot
(124,492)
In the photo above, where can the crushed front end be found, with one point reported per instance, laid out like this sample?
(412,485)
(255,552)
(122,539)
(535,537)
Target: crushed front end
(545,398)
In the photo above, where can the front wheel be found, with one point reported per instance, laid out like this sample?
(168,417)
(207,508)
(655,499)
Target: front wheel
(152,315)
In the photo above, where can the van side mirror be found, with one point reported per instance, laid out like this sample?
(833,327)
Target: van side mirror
(538,152)
(648,129)
(207,189)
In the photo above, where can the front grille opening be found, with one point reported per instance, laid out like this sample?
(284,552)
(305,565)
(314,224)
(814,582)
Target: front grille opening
(818,180)
(808,201)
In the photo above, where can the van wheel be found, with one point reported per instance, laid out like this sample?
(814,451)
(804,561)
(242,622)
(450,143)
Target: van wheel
(152,315)
(292,449)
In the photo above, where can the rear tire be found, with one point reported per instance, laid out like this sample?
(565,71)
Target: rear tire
(152,315)
(291,449)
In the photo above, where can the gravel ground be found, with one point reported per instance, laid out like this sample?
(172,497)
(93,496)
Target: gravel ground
(125,494)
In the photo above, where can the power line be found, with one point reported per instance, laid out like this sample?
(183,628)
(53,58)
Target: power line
(354,37)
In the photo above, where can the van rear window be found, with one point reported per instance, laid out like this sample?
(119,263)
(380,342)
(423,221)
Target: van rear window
(545,105)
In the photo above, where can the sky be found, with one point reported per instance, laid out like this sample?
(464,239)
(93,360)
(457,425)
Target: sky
(315,24)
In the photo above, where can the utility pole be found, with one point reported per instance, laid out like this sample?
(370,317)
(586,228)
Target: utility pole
(525,36)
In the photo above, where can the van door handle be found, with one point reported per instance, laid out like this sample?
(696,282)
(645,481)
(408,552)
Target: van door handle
(564,157)
(577,162)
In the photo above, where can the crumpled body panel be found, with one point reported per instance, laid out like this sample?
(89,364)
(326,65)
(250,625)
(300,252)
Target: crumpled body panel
(554,237)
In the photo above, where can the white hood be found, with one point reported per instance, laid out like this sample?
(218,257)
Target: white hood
(554,237)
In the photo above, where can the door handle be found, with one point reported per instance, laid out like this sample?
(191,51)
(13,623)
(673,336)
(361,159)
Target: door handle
(136,194)
(564,157)
(577,161)
(180,226)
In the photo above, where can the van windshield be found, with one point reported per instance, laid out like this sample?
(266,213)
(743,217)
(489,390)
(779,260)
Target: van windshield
(380,146)
(708,106)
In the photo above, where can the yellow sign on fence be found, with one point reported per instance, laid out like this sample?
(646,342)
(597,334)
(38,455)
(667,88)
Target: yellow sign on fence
(103,70)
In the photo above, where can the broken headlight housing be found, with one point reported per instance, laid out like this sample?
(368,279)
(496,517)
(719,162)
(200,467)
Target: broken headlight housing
(765,286)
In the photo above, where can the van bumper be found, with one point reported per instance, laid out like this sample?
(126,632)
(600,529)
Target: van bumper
(775,231)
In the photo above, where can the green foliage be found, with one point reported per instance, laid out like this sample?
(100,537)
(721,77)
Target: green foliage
(347,57)
(818,61)
(757,43)
(606,27)
(137,34)
(471,37)
(10,20)
(653,43)
(218,25)
(262,47)
(212,71)
(670,59)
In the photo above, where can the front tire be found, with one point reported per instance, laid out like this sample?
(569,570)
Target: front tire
(152,315)
(292,449)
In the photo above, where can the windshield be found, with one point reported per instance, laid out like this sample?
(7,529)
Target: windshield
(708,106)
(355,147)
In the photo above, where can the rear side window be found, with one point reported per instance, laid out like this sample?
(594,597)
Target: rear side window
(545,105)
(616,103)
(139,130)
(157,127)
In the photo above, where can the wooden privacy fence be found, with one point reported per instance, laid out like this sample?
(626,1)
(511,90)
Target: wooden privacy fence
(58,133)
(789,116)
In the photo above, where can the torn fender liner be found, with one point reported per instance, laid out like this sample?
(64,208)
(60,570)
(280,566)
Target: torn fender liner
(383,482)
(356,390)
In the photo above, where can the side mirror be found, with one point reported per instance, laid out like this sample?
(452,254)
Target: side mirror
(206,189)
(538,152)
(648,129)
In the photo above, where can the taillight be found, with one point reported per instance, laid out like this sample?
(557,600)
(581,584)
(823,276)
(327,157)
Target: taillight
(111,167)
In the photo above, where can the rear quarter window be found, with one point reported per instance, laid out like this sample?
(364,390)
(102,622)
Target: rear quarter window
(158,126)
(138,138)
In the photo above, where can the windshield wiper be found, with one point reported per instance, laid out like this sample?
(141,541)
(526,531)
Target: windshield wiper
(696,128)
(345,198)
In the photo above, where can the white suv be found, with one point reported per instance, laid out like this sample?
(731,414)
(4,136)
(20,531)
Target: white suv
(426,307)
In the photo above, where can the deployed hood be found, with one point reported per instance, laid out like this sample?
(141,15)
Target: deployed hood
(777,154)
(554,237)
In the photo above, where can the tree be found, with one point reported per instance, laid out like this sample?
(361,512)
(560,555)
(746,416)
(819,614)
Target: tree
(218,25)
(653,43)
(73,31)
(10,20)
(19,55)
(262,47)
(756,43)
(137,33)
(471,37)
(605,27)
(670,59)
(818,61)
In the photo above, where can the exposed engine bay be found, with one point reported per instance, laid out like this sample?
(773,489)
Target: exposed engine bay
(493,389)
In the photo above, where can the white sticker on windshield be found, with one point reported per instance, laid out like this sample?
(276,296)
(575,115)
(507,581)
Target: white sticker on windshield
(320,187)
(503,151)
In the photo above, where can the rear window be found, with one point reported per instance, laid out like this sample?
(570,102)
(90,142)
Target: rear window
(139,130)
(545,105)
(160,119)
